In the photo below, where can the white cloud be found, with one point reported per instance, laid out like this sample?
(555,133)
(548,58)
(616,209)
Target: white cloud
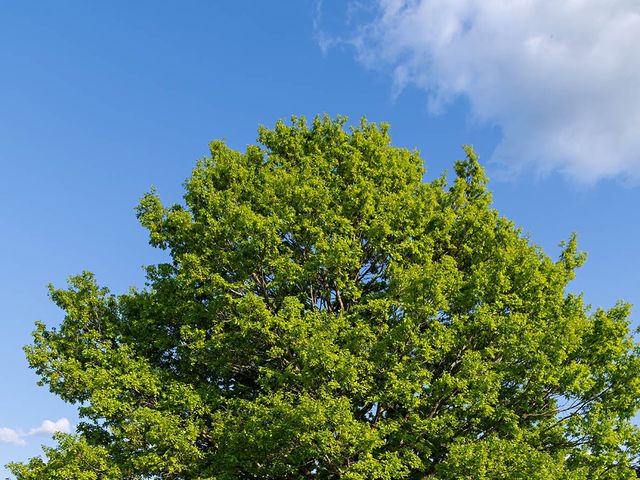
(47,427)
(9,435)
(562,79)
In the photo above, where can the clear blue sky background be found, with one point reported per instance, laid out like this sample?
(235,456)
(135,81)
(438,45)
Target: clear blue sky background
(101,100)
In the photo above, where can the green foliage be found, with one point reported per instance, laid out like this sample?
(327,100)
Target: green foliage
(327,314)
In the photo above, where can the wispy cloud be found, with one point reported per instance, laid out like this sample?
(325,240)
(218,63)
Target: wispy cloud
(47,427)
(561,79)
(9,435)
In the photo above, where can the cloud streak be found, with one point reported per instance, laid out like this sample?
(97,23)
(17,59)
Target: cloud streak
(47,427)
(9,435)
(561,79)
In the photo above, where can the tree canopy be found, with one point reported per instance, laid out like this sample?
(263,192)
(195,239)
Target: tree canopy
(326,313)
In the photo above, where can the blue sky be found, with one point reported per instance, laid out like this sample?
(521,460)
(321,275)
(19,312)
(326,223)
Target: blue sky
(99,101)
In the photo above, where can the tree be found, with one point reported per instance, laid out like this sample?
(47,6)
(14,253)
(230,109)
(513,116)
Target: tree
(327,314)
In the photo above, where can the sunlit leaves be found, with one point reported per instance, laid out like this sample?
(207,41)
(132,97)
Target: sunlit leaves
(327,314)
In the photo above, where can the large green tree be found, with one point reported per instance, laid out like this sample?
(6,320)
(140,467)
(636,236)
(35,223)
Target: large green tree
(327,314)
